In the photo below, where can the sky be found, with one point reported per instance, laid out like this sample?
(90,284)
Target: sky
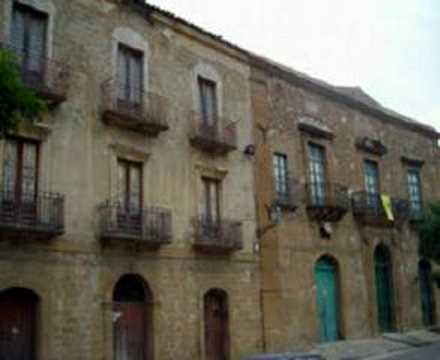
(391,48)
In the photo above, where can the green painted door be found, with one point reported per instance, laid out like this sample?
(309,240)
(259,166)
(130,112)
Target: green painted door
(327,300)
(384,289)
(427,297)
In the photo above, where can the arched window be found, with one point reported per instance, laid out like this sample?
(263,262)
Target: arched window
(132,319)
(18,323)
(384,288)
(216,325)
(426,293)
(327,298)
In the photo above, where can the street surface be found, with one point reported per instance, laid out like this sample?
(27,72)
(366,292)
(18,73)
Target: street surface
(431,352)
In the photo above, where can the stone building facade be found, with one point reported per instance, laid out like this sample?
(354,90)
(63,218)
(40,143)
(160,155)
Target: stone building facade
(138,215)
(328,159)
(143,176)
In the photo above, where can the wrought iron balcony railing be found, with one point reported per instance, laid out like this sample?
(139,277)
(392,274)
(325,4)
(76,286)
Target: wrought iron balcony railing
(327,201)
(39,216)
(417,210)
(369,209)
(217,235)
(133,108)
(285,194)
(218,137)
(46,77)
(149,226)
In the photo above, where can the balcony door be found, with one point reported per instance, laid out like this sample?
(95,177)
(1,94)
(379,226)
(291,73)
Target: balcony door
(371,181)
(20,170)
(280,174)
(130,196)
(317,175)
(208,106)
(130,78)
(28,39)
(211,200)
(415,193)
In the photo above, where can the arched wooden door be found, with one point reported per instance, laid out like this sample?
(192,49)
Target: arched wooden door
(426,293)
(384,289)
(132,320)
(216,325)
(18,313)
(326,279)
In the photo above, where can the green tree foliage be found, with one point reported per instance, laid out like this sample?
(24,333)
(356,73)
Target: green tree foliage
(429,231)
(17,101)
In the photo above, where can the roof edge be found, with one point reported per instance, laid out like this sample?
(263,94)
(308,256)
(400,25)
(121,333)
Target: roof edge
(289,74)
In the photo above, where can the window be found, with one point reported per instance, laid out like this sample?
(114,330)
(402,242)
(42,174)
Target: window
(130,185)
(28,38)
(371,180)
(20,169)
(208,101)
(371,177)
(415,191)
(211,197)
(280,174)
(130,75)
(317,174)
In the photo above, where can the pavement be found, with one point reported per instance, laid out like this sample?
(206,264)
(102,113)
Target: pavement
(414,345)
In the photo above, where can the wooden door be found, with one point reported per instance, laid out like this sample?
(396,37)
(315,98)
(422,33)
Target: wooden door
(384,290)
(216,326)
(17,327)
(426,293)
(129,331)
(327,300)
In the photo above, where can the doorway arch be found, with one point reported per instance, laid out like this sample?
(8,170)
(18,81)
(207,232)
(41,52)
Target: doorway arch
(384,288)
(426,293)
(327,298)
(216,315)
(132,319)
(18,323)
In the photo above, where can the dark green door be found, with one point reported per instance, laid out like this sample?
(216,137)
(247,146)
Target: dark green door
(427,297)
(384,289)
(327,299)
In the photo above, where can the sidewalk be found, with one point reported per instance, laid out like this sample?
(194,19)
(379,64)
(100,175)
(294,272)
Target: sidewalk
(376,348)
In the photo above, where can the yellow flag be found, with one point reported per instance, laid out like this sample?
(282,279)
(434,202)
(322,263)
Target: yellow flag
(386,203)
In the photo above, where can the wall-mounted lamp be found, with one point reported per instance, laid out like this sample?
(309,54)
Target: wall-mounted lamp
(249,150)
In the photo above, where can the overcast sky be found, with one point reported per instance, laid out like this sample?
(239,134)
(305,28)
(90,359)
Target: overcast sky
(391,48)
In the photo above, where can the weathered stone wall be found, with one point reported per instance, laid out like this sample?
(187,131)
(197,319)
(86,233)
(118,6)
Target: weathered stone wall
(290,249)
(73,275)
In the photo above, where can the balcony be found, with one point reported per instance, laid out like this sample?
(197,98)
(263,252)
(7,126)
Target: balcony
(417,211)
(218,138)
(149,227)
(285,196)
(134,109)
(327,202)
(219,236)
(31,217)
(46,77)
(368,209)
